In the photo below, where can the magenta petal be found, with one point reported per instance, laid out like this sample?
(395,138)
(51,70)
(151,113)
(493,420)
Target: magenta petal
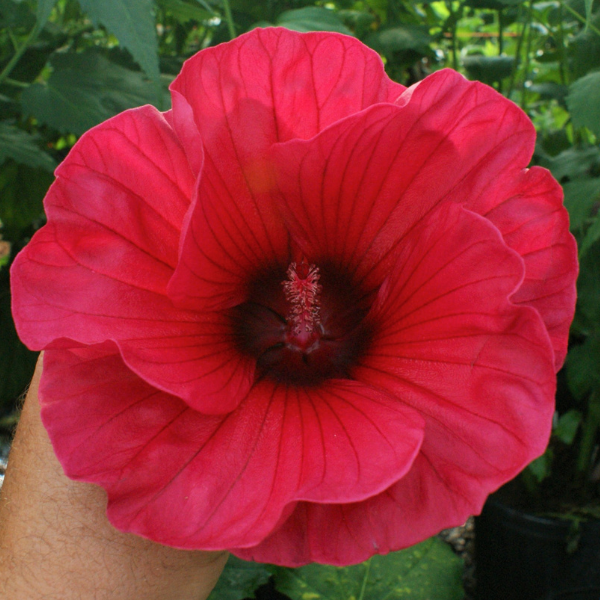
(478,368)
(114,215)
(415,508)
(231,234)
(201,364)
(355,189)
(280,85)
(197,481)
(450,343)
(267,86)
(527,208)
(99,269)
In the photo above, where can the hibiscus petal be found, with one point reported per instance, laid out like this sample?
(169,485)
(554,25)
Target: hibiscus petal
(115,213)
(239,99)
(198,481)
(450,343)
(354,190)
(478,368)
(230,236)
(415,508)
(279,84)
(527,208)
(99,269)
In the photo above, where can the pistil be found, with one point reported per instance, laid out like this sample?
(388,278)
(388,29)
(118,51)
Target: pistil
(302,291)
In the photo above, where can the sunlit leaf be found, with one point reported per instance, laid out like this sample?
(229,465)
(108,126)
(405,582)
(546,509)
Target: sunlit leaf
(23,148)
(132,23)
(84,90)
(428,571)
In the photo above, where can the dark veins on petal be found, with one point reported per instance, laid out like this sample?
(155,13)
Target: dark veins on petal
(303,325)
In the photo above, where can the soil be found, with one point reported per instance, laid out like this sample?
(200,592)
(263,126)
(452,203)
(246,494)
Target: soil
(462,540)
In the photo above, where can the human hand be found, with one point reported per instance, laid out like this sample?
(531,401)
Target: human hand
(57,544)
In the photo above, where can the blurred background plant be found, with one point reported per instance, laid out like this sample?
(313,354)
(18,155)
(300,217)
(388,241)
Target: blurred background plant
(66,65)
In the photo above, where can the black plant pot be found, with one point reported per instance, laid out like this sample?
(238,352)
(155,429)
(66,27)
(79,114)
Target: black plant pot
(519,556)
(578,594)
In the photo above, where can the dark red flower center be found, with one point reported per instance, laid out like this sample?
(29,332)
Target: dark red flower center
(302,326)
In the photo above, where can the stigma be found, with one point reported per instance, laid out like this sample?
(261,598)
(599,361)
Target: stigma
(302,291)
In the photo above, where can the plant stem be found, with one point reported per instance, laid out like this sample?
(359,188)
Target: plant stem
(12,63)
(581,18)
(527,56)
(561,45)
(16,83)
(229,19)
(453,18)
(513,75)
(500,41)
(365,580)
(500,32)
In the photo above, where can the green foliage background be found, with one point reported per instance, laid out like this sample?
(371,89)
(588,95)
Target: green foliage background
(66,65)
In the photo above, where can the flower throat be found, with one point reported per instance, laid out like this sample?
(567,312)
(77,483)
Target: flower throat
(303,325)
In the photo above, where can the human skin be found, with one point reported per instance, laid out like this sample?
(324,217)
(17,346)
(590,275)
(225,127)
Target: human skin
(56,542)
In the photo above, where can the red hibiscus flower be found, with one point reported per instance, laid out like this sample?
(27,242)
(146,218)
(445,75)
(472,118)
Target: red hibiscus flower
(308,314)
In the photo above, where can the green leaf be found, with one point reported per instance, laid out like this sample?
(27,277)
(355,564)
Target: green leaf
(44,8)
(312,18)
(16,16)
(588,12)
(575,162)
(541,467)
(22,190)
(132,22)
(84,90)
(493,4)
(581,196)
(584,48)
(185,12)
(550,90)
(428,571)
(400,38)
(16,361)
(358,20)
(588,293)
(582,366)
(489,69)
(579,376)
(239,580)
(592,235)
(567,426)
(22,147)
(583,102)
